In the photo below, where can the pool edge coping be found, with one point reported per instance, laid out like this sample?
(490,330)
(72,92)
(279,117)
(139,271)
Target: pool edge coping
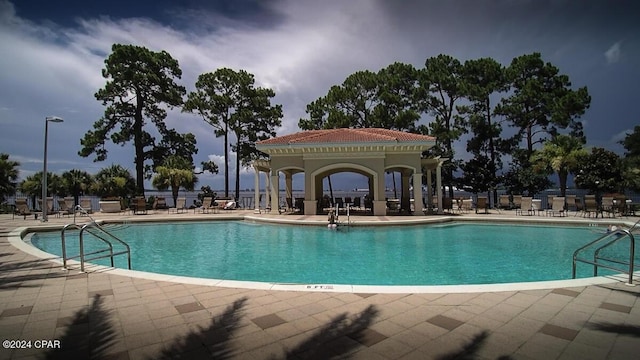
(17,235)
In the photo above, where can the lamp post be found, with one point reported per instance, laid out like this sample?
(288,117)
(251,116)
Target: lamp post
(44,165)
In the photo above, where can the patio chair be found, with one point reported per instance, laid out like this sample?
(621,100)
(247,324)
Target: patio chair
(49,207)
(357,202)
(525,204)
(517,200)
(557,206)
(160,203)
(140,205)
(62,208)
(503,202)
(579,206)
(466,205)
(181,205)
(550,201)
(22,208)
(591,206)
(210,205)
(85,204)
(482,203)
(570,200)
(607,206)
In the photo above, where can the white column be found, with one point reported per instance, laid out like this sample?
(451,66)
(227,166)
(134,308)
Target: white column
(429,187)
(439,187)
(267,189)
(417,193)
(256,191)
(275,191)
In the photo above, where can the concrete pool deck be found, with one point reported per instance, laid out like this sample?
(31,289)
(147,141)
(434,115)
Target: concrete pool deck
(106,314)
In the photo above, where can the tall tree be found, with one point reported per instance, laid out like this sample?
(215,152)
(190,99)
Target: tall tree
(561,154)
(631,162)
(172,144)
(77,183)
(599,171)
(175,173)
(140,84)
(542,101)
(8,177)
(350,105)
(228,101)
(481,79)
(441,88)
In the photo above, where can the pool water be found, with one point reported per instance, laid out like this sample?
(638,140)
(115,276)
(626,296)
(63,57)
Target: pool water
(449,254)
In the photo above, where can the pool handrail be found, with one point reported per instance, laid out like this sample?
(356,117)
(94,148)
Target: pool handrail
(111,253)
(619,234)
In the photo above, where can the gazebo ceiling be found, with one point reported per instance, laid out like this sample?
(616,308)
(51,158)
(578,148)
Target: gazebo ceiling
(345,140)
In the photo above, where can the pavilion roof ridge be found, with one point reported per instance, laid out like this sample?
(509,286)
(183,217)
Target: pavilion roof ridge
(347,135)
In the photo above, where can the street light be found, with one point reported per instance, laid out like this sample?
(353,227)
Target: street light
(44,164)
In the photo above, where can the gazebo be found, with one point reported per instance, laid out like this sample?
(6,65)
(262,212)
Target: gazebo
(368,151)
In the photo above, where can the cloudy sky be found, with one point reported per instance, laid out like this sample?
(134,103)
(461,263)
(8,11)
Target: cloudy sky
(52,56)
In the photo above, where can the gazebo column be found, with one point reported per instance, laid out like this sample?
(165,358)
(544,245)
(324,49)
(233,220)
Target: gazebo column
(288,186)
(405,195)
(275,191)
(417,193)
(429,189)
(379,203)
(256,191)
(267,189)
(310,194)
(439,187)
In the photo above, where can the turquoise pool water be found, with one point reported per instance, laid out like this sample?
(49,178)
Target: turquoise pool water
(447,254)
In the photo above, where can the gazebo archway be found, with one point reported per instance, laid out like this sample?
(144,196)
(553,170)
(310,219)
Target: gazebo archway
(368,151)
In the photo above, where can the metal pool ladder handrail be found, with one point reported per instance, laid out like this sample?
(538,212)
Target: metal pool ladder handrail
(100,236)
(612,237)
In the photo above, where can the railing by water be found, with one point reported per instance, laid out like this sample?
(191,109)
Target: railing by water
(609,239)
(101,234)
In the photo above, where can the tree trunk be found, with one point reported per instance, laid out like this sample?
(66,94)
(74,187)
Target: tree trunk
(139,146)
(562,175)
(226,158)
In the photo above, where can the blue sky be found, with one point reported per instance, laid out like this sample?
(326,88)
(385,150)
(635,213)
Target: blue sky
(53,53)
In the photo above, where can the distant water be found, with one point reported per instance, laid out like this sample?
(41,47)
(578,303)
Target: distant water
(246,197)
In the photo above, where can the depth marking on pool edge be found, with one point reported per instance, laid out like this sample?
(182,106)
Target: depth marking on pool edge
(320,287)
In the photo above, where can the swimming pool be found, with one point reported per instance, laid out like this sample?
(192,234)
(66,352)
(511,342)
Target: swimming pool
(446,254)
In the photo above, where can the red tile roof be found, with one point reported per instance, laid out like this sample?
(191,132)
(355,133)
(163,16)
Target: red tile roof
(347,135)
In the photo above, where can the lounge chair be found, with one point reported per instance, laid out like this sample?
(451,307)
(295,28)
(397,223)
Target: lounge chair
(207,204)
(181,205)
(160,203)
(503,202)
(62,208)
(525,205)
(517,200)
(466,205)
(557,206)
(570,200)
(140,205)
(482,203)
(22,208)
(356,202)
(85,204)
(49,207)
(607,206)
(591,206)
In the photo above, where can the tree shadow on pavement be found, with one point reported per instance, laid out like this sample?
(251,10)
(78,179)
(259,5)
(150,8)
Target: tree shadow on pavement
(211,342)
(88,336)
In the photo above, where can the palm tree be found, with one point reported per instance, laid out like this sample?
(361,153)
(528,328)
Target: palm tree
(175,172)
(114,181)
(8,176)
(32,185)
(561,153)
(77,183)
